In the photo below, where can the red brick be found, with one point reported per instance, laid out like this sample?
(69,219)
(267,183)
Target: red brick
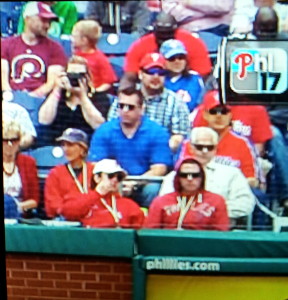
(121,268)
(123,287)
(83,295)
(97,268)
(110,295)
(25,291)
(24,274)
(109,278)
(54,293)
(126,278)
(67,267)
(98,286)
(14,264)
(68,285)
(38,266)
(40,283)
(16,282)
(16,298)
(83,276)
(125,296)
(53,275)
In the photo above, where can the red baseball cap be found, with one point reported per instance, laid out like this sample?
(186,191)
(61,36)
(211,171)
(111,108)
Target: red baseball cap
(212,99)
(152,60)
(35,8)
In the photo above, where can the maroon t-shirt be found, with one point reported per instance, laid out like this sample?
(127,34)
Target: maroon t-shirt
(28,64)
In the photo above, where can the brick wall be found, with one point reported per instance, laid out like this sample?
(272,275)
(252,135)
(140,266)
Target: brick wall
(47,277)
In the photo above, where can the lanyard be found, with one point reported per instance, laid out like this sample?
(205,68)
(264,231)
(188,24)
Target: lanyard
(184,207)
(82,188)
(112,209)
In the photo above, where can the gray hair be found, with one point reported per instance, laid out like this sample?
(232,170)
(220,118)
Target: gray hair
(197,131)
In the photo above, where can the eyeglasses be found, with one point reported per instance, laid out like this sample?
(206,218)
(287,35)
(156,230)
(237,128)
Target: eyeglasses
(222,110)
(189,175)
(119,176)
(12,140)
(124,106)
(154,71)
(175,57)
(202,147)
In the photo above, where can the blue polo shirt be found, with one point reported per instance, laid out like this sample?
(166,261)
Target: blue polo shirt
(148,146)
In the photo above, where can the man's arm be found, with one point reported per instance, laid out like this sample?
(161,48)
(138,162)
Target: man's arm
(5,75)
(156,170)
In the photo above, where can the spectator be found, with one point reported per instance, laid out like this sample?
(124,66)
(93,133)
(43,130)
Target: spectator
(245,12)
(161,105)
(104,206)
(227,181)
(187,84)
(71,179)
(232,149)
(165,28)
(70,104)
(202,15)
(120,16)
(190,206)
(19,114)
(138,144)
(67,14)
(31,61)
(85,35)
(19,172)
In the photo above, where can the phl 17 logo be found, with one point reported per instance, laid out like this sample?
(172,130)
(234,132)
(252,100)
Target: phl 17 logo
(260,70)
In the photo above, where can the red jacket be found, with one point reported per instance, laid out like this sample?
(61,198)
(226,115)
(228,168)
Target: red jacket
(91,212)
(59,186)
(28,173)
(209,214)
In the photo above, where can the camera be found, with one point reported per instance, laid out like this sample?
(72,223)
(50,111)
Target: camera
(74,78)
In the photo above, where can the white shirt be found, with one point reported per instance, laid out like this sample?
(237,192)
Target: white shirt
(226,181)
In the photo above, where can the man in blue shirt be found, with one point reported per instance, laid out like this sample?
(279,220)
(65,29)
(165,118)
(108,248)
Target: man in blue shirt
(139,145)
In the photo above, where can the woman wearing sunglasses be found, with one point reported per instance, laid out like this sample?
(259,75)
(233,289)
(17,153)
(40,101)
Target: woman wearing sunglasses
(103,206)
(21,186)
(186,83)
(71,179)
(190,206)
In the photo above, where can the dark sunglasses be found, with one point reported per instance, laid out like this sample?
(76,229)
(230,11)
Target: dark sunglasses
(125,106)
(189,175)
(219,110)
(119,176)
(153,71)
(178,56)
(201,147)
(12,140)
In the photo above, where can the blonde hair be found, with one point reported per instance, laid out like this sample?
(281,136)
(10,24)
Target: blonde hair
(90,29)
(10,128)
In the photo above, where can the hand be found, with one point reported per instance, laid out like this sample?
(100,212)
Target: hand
(128,186)
(83,88)
(253,182)
(62,81)
(27,204)
(104,186)
(175,141)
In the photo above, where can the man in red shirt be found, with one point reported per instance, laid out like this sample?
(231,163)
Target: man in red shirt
(166,28)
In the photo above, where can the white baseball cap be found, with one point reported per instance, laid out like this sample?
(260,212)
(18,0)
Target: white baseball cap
(108,166)
(35,8)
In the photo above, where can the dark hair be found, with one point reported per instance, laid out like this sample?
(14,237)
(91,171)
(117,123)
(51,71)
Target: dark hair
(132,90)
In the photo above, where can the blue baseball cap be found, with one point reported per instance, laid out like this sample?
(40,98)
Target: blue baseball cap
(172,47)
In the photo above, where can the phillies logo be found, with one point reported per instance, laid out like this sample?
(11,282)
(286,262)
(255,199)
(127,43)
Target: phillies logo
(243,60)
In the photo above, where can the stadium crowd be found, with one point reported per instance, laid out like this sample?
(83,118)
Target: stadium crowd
(147,141)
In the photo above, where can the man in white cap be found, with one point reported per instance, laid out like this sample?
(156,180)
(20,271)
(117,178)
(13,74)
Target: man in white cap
(103,206)
(30,61)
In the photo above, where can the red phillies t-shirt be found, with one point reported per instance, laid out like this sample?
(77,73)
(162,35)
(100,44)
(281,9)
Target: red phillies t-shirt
(100,67)
(251,121)
(198,56)
(29,64)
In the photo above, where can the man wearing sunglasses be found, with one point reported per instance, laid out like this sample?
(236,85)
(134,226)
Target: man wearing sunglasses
(139,144)
(161,105)
(190,206)
(226,181)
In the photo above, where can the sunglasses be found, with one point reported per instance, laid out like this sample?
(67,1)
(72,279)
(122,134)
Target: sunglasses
(219,110)
(154,71)
(12,140)
(202,147)
(124,106)
(175,57)
(189,175)
(119,176)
